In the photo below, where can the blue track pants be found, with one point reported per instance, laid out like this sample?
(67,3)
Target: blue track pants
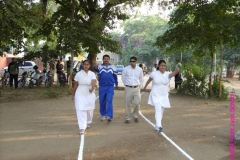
(106,100)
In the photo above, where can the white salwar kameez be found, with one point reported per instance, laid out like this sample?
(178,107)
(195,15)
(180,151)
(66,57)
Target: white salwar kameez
(159,94)
(84,100)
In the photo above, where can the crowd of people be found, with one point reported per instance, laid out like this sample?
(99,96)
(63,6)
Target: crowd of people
(132,78)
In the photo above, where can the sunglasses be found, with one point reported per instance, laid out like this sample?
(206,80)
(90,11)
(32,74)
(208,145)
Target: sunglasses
(133,61)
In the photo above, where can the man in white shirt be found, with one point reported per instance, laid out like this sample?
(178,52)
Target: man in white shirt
(132,77)
(154,68)
(62,63)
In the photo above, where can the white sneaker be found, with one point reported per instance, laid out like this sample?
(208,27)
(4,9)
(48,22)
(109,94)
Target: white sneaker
(81,131)
(88,126)
(103,118)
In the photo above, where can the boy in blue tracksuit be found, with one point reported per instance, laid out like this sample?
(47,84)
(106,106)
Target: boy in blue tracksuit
(107,77)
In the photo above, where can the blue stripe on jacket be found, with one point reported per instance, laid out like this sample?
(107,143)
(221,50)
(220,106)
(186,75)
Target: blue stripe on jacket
(107,75)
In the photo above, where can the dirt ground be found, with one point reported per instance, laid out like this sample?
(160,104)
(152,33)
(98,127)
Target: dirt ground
(41,128)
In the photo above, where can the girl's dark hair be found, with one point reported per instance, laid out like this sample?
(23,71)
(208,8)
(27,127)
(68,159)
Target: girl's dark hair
(86,60)
(161,61)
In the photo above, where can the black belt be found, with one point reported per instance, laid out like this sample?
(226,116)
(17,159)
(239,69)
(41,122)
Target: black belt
(132,86)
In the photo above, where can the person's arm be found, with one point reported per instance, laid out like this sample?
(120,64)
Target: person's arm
(93,82)
(123,76)
(174,73)
(74,89)
(9,67)
(96,69)
(148,81)
(115,76)
(141,77)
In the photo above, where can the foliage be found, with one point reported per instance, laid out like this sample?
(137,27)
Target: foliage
(232,56)
(139,34)
(18,18)
(45,53)
(195,81)
(203,27)
(215,87)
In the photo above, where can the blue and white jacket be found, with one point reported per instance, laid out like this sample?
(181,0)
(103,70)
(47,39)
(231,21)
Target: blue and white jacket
(107,75)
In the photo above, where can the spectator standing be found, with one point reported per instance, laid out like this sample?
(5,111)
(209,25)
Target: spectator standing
(13,71)
(68,67)
(107,77)
(84,96)
(62,63)
(178,77)
(132,77)
(159,93)
(154,68)
(141,66)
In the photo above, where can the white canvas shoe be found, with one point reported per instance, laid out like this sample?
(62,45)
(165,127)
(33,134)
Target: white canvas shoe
(81,131)
(88,126)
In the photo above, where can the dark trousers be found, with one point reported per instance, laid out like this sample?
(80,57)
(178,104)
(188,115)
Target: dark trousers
(15,78)
(177,85)
(178,80)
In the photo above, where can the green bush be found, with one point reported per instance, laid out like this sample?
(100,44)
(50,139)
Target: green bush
(215,89)
(194,83)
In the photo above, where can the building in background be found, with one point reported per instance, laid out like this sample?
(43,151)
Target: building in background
(114,58)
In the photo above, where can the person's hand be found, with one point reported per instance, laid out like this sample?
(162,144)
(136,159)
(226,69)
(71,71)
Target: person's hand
(73,98)
(90,90)
(116,87)
(177,69)
(144,89)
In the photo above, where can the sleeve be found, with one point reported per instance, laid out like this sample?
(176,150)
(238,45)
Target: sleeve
(115,75)
(141,78)
(124,75)
(96,69)
(152,75)
(93,75)
(9,67)
(76,78)
(168,73)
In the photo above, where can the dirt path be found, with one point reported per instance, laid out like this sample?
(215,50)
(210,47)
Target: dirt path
(47,130)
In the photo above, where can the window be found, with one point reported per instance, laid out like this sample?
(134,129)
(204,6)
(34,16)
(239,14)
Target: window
(27,64)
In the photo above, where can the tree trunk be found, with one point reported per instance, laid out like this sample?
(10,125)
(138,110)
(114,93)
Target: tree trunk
(72,51)
(221,68)
(230,71)
(92,59)
(70,72)
(210,75)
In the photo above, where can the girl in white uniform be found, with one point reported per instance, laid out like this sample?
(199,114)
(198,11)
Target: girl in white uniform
(159,93)
(84,96)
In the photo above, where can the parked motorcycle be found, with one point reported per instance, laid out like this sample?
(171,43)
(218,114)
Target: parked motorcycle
(62,78)
(44,75)
(48,79)
(36,77)
(23,80)
(5,79)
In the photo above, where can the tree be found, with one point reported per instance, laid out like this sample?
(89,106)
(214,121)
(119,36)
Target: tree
(17,17)
(203,27)
(138,37)
(232,56)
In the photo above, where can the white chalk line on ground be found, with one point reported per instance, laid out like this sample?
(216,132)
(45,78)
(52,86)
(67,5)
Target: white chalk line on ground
(165,136)
(80,152)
